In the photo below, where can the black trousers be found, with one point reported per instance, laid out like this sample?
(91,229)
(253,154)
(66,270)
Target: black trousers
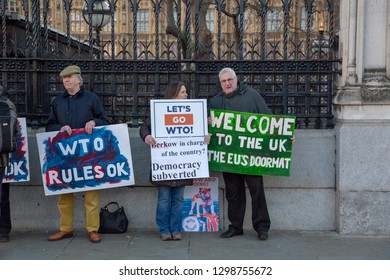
(5,213)
(236,198)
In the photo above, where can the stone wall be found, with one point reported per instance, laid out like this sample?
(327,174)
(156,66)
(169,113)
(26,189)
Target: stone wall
(361,107)
(303,201)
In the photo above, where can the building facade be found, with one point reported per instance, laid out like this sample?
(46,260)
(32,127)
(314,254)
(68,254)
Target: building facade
(223,20)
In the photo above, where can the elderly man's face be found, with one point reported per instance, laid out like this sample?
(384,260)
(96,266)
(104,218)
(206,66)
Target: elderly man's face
(228,82)
(71,83)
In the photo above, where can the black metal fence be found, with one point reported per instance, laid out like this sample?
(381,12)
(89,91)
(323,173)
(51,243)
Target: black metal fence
(287,50)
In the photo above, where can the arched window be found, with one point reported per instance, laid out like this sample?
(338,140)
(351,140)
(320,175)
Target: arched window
(210,20)
(304,20)
(11,5)
(77,22)
(143,20)
(274,20)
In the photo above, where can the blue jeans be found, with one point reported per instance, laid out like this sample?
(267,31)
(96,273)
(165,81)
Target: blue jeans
(169,207)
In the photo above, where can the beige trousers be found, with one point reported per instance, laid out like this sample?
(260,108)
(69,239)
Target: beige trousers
(66,206)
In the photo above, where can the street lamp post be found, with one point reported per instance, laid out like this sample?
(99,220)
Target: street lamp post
(97,13)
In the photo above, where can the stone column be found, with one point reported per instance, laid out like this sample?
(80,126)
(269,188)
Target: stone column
(362,117)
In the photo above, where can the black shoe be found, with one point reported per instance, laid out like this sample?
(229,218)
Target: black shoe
(4,238)
(231,232)
(262,235)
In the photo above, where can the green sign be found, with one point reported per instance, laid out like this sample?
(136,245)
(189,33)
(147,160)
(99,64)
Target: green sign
(252,144)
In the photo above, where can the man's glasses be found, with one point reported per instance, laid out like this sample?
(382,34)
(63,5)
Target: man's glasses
(227,81)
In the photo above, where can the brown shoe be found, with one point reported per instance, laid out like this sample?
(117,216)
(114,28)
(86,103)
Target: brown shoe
(60,235)
(94,237)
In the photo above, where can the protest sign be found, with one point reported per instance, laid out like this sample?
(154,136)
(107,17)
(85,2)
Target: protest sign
(200,209)
(18,168)
(255,144)
(178,118)
(179,127)
(83,162)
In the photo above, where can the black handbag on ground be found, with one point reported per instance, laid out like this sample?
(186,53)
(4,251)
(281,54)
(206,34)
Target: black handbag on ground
(113,222)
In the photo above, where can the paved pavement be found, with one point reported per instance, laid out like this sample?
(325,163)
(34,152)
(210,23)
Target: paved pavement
(146,245)
(137,254)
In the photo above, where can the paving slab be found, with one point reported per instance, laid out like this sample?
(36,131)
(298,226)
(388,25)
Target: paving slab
(146,245)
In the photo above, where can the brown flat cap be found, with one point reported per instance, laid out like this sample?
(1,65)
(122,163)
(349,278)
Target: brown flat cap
(72,69)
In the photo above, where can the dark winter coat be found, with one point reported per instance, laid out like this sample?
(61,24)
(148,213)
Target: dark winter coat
(145,130)
(243,99)
(76,110)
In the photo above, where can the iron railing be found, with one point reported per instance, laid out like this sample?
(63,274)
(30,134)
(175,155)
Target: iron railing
(280,50)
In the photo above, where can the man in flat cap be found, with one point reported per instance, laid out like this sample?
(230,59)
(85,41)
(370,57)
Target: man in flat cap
(76,108)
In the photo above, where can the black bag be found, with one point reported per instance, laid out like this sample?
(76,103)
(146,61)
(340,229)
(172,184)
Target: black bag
(8,126)
(113,222)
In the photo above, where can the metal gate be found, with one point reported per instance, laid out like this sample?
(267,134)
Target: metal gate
(286,49)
